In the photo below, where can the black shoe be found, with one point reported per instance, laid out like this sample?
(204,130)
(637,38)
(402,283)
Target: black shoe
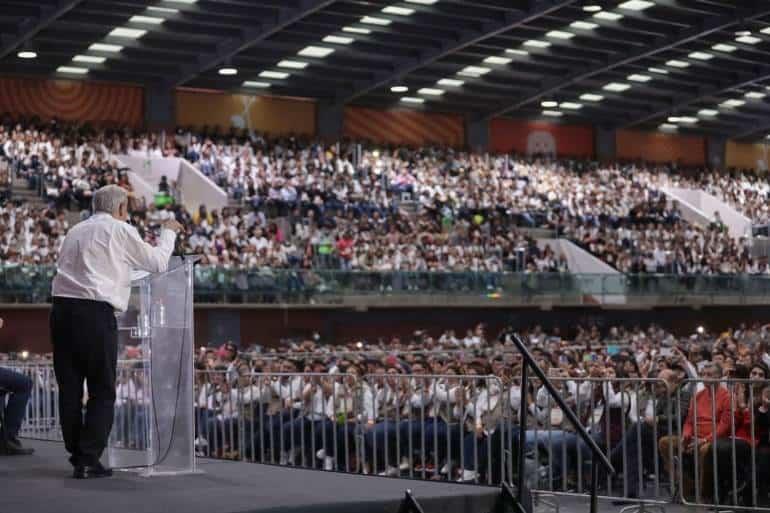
(91,471)
(13,447)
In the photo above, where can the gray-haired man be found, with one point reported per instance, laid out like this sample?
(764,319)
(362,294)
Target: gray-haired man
(93,280)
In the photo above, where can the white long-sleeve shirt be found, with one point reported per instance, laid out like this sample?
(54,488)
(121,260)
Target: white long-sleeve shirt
(98,255)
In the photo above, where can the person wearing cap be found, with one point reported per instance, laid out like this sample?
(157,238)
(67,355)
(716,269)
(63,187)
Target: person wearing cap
(92,282)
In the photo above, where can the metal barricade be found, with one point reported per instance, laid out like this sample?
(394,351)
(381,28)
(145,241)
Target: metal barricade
(42,417)
(447,427)
(625,417)
(302,419)
(722,458)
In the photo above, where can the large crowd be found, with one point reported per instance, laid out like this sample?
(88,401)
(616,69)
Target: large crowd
(303,204)
(446,405)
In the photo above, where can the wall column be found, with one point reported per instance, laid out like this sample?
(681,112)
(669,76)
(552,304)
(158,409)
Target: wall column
(716,151)
(329,120)
(606,144)
(159,107)
(477,135)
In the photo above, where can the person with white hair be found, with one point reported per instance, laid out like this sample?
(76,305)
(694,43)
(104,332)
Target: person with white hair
(92,282)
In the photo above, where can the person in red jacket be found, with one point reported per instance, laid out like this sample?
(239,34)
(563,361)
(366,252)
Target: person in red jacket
(708,419)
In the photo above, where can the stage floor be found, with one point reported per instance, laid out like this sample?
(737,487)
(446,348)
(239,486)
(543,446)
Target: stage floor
(42,483)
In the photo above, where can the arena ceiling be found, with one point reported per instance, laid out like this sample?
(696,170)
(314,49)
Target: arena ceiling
(691,65)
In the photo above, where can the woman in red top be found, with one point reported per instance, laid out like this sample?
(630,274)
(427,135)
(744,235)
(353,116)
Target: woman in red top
(744,439)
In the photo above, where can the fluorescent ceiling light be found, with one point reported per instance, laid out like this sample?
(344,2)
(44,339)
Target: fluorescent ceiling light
(292,64)
(560,34)
(668,127)
(688,119)
(339,40)
(708,112)
(228,71)
(26,54)
(149,20)
(450,82)
(636,5)
(675,63)
(701,56)
(590,97)
(549,104)
(493,59)
(252,83)
(536,43)
(163,9)
(570,105)
(755,95)
(553,113)
(127,32)
(315,51)
(721,47)
(280,75)
(399,89)
(673,119)
(592,7)
(732,103)
(658,70)
(608,16)
(765,30)
(616,87)
(638,77)
(583,25)
(422,2)
(516,51)
(102,47)
(372,20)
(474,71)
(429,91)
(401,11)
(356,30)
(743,33)
(749,40)
(412,99)
(72,70)
(89,59)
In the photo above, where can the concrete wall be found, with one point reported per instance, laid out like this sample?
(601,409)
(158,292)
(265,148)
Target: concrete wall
(194,187)
(702,206)
(579,260)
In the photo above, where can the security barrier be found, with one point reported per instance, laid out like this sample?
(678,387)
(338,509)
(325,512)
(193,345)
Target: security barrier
(656,433)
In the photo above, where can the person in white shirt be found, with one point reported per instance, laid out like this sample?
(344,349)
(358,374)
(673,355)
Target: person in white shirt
(93,280)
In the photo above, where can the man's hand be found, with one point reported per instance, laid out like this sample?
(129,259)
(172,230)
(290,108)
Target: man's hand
(1,322)
(172,224)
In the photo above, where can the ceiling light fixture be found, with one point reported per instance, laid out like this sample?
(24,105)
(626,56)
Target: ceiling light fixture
(26,54)
(228,71)
(399,89)
(590,97)
(493,59)
(253,83)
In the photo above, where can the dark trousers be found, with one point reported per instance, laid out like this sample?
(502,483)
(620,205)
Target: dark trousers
(85,341)
(20,388)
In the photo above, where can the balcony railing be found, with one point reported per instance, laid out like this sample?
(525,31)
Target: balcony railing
(32,284)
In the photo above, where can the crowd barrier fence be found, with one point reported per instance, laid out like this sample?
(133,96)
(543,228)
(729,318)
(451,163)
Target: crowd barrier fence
(465,428)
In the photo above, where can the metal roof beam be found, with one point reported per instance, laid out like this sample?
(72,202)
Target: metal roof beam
(249,37)
(704,27)
(465,38)
(28,28)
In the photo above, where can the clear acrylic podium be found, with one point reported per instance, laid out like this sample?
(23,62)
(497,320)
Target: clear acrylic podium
(153,429)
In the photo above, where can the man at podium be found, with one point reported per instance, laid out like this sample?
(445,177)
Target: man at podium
(92,282)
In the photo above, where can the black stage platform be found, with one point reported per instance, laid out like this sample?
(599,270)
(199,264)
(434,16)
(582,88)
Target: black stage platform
(42,483)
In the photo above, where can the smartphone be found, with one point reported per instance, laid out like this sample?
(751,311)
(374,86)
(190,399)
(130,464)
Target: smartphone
(666,351)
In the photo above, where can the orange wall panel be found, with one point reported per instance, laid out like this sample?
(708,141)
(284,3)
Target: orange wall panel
(746,156)
(73,100)
(527,137)
(660,147)
(408,127)
(276,116)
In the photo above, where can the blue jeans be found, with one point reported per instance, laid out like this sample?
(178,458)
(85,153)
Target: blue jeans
(20,388)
